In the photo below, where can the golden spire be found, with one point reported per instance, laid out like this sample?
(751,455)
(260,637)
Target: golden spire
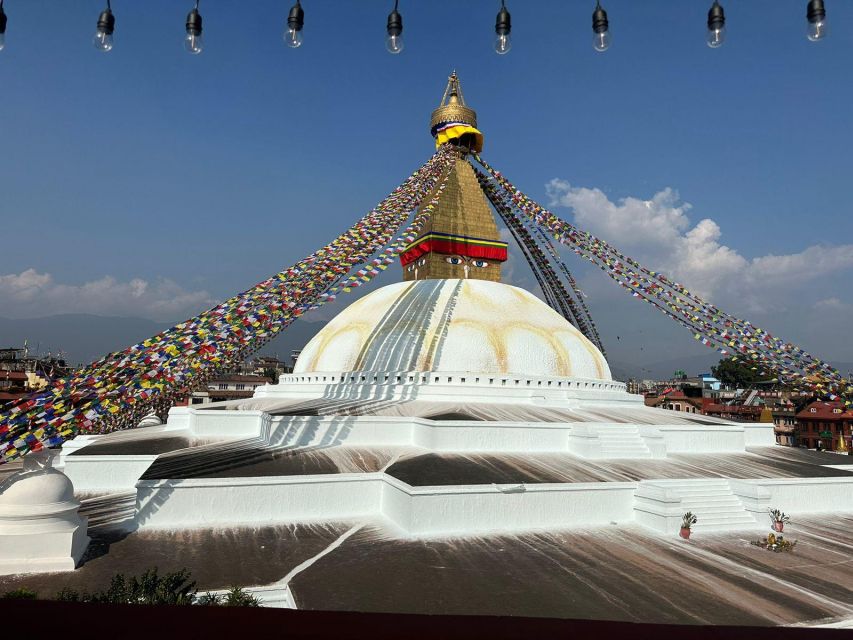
(453,120)
(461,238)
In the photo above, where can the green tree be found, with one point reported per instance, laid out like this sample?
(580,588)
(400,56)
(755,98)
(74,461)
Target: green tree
(739,373)
(235,597)
(19,594)
(150,588)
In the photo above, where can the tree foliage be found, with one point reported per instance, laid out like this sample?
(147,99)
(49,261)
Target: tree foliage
(151,588)
(19,594)
(738,373)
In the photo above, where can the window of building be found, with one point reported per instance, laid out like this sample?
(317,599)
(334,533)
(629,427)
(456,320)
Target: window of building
(241,387)
(223,386)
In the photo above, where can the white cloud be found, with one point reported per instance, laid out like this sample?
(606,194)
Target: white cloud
(658,233)
(33,294)
(833,304)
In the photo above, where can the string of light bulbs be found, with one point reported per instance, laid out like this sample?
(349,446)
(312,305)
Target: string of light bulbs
(816,27)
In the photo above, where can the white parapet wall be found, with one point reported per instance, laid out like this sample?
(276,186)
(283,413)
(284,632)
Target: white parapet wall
(417,511)
(705,438)
(490,436)
(72,445)
(459,387)
(107,473)
(166,504)
(223,423)
(433,511)
(759,434)
(804,495)
(464,435)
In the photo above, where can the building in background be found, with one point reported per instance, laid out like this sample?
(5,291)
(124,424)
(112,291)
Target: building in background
(825,425)
(229,386)
(22,373)
(675,400)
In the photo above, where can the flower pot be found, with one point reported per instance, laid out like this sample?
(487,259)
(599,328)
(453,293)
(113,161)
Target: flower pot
(778,526)
(685,533)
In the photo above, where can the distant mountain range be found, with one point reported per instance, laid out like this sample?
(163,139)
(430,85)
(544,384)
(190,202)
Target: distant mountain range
(83,338)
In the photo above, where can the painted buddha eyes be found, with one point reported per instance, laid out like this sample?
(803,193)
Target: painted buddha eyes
(410,268)
(421,262)
(460,260)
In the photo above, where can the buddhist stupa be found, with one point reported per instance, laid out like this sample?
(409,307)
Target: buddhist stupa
(451,444)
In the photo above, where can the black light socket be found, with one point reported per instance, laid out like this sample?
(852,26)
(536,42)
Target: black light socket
(815,12)
(503,24)
(395,23)
(599,20)
(194,22)
(716,17)
(296,17)
(107,22)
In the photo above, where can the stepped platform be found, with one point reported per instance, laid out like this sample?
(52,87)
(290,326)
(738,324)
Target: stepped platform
(421,467)
(439,469)
(621,573)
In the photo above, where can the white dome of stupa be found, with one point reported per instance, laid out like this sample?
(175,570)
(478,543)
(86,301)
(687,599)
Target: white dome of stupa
(453,326)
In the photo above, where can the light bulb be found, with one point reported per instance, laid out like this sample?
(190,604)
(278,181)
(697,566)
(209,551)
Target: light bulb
(716,37)
(816,27)
(601,41)
(293,30)
(102,41)
(193,43)
(600,29)
(503,26)
(293,37)
(394,44)
(502,43)
(716,26)
(817,30)
(394,29)
(3,21)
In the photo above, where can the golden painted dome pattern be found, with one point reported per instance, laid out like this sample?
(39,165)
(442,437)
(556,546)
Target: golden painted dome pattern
(472,326)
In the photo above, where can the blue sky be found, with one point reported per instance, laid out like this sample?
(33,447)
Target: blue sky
(150,182)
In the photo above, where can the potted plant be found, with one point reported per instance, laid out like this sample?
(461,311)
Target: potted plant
(687,521)
(778,518)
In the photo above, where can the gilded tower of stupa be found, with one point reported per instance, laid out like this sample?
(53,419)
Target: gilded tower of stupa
(461,238)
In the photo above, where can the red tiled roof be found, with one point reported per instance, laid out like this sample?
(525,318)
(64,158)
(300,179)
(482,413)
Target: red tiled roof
(13,375)
(824,410)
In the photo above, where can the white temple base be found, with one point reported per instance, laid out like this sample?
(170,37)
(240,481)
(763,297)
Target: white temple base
(30,548)
(40,528)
